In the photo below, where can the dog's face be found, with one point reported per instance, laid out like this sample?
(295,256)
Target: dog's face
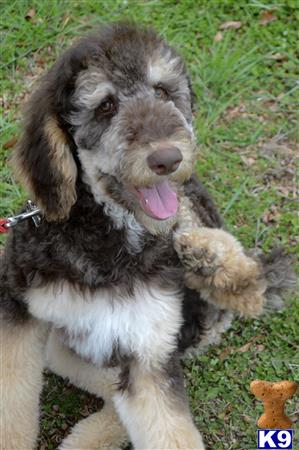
(124,106)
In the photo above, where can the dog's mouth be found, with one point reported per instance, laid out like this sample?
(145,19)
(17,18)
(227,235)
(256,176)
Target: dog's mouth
(158,201)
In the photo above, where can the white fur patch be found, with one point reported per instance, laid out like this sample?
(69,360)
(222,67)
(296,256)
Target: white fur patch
(145,325)
(163,67)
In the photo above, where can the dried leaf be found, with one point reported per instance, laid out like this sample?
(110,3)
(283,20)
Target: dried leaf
(279,57)
(281,95)
(65,21)
(260,347)
(10,143)
(271,215)
(234,111)
(231,24)
(248,161)
(285,190)
(267,17)
(223,355)
(218,37)
(30,14)
(245,347)
(247,418)
(229,408)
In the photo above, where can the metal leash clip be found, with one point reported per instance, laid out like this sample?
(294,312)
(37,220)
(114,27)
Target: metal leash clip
(32,211)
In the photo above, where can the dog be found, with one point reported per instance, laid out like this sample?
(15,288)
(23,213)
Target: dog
(96,292)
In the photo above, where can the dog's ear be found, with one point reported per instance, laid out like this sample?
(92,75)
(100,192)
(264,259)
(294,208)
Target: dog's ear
(43,161)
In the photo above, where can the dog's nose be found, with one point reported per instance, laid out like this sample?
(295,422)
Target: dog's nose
(165,160)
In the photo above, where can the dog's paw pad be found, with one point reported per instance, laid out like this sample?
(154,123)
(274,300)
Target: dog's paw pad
(199,260)
(205,271)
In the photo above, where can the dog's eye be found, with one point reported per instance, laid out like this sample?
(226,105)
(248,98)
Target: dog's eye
(161,93)
(106,108)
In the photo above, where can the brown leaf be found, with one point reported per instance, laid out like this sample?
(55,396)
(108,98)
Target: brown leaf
(266,216)
(223,355)
(260,347)
(244,348)
(271,215)
(234,111)
(281,95)
(10,143)
(279,57)
(231,24)
(65,21)
(247,418)
(218,37)
(248,161)
(285,190)
(229,408)
(267,17)
(30,14)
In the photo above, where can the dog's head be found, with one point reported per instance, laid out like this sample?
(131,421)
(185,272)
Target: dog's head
(116,106)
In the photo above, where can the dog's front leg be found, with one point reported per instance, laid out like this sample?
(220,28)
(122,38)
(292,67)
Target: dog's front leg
(155,412)
(21,364)
(216,266)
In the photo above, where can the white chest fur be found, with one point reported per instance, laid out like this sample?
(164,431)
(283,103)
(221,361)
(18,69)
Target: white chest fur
(145,325)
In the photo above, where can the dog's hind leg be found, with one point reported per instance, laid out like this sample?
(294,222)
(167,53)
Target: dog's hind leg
(21,365)
(103,428)
(155,412)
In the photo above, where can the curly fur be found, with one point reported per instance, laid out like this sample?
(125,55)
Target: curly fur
(99,268)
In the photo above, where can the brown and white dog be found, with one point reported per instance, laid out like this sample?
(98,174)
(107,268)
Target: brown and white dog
(97,292)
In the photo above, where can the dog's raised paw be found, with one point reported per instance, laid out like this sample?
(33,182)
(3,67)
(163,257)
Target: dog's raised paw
(216,264)
(194,255)
(215,253)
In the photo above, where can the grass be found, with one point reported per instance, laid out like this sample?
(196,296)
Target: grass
(247,124)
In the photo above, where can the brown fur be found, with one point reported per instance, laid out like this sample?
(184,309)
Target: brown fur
(217,266)
(62,170)
(62,160)
(21,362)
(101,430)
(150,404)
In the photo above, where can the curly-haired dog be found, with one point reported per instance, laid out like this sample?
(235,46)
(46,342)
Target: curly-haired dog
(97,292)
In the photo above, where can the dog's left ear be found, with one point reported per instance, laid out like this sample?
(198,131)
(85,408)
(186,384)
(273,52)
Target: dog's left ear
(43,161)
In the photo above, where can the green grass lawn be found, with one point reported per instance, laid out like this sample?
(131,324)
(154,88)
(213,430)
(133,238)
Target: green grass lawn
(245,76)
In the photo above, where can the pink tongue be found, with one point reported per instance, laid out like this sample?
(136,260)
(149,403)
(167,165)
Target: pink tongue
(159,201)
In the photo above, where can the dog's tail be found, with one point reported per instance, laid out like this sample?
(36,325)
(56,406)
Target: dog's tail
(281,279)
